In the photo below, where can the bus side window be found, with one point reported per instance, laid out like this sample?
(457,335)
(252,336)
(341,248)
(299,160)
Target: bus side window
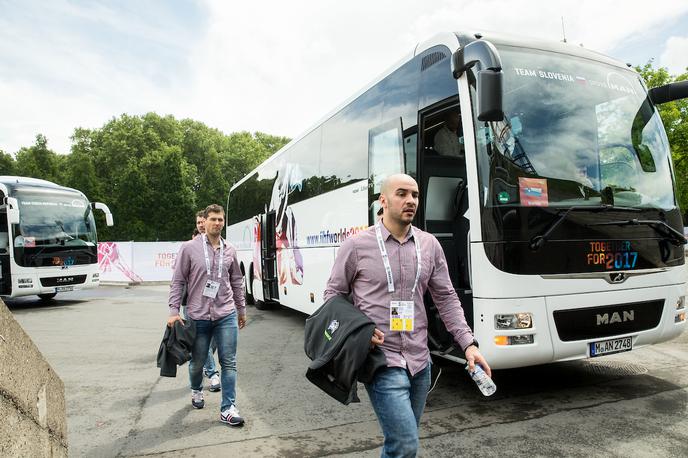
(411,155)
(4,233)
(385,158)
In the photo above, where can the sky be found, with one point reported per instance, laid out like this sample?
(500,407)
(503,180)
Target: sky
(273,66)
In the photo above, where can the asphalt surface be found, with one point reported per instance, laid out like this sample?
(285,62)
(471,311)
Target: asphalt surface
(103,344)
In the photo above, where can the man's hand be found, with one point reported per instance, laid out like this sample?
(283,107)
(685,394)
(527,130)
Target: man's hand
(242,321)
(172,319)
(377,339)
(474,356)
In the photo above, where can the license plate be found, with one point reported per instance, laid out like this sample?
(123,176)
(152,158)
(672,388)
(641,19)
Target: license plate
(62,289)
(607,347)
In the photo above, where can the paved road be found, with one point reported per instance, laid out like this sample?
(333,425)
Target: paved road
(103,344)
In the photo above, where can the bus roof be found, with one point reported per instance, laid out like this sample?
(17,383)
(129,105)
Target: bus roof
(452,40)
(11,183)
(502,39)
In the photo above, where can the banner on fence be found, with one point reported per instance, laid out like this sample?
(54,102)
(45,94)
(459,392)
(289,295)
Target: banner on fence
(136,261)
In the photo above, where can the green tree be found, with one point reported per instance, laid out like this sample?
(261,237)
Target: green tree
(7,163)
(155,172)
(80,173)
(675,119)
(38,161)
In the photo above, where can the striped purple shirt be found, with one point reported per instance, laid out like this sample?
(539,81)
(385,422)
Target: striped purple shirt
(190,269)
(358,270)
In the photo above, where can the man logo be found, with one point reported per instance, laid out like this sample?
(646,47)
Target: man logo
(617,277)
(615,317)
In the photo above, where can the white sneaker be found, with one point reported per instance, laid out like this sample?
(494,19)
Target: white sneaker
(215,383)
(197,400)
(231,416)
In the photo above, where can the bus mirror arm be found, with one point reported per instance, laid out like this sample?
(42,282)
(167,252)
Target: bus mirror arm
(108,216)
(479,52)
(669,92)
(489,76)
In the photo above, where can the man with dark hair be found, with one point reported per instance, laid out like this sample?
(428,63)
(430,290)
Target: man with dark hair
(208,265)
(386,271)
(209,368)
(200,221)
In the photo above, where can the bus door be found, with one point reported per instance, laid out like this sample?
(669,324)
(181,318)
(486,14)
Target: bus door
(268,256)
(444,205)
(5,247)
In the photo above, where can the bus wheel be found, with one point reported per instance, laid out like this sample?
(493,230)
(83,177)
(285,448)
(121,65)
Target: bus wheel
(262,305)
(249,279)
(47,297)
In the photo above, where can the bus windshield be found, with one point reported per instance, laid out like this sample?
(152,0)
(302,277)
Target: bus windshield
(51,224)
(576,133)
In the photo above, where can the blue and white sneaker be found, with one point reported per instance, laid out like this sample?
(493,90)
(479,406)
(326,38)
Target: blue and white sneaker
(197,400)
(231,416)
(215,384)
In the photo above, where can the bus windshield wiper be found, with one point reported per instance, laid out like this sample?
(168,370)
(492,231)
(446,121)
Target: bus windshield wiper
(539,240)
(64,237)
(668,232)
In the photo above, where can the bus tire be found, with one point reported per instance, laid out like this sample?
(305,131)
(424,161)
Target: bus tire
(47,296)
(262,305)
(248,280)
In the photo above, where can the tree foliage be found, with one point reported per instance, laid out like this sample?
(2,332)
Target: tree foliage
(675,118)
(154,172)
(7,163)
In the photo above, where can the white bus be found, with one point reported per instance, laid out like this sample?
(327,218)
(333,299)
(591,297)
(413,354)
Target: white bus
(48,241)
(554,201)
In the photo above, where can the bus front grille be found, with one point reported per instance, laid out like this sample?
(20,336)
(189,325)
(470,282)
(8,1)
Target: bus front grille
(607,320)
(62,281)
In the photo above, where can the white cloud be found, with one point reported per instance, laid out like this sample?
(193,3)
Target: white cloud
(273,66)
(675,55)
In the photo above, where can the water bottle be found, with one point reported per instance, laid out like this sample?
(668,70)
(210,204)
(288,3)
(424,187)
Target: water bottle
(484,382)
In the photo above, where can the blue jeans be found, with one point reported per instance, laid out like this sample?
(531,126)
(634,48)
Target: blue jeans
(209,368)
(398,400)
(225,332)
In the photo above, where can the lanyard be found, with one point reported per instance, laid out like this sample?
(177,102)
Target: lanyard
(207,259)
(385,260)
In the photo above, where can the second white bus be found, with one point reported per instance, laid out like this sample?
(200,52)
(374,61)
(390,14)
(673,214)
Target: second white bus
(556,208)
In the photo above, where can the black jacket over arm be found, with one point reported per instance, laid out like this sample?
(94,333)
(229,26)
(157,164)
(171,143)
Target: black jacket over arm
(175,348)
(337,340)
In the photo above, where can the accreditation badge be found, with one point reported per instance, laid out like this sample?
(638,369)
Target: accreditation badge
(401,316)
(211,288)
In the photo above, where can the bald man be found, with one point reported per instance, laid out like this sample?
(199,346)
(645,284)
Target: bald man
(387,269)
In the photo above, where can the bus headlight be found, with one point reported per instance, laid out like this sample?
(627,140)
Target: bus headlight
(681,303)
(514,321)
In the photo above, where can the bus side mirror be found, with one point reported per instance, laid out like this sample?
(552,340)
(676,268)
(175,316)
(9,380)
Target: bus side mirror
(108,216)
(12,210)
(669,92)
(489,77)
(490,96)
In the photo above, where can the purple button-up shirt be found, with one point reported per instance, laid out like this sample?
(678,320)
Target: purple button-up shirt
(359,270)
(190,269)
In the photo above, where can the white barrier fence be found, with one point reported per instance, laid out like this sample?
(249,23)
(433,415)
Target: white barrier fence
(139,261)
(136,261)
